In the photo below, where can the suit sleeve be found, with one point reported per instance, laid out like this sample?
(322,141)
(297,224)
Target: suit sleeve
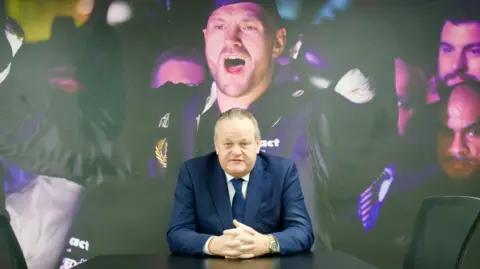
(297,233)
(181,236)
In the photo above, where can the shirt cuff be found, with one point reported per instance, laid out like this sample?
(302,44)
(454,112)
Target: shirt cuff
(205,247)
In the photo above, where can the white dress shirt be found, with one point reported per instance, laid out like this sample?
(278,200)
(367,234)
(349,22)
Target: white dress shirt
(231,193)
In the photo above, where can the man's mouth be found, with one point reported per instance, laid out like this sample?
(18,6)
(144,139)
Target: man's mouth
(64,77)
(234,64)
(66,84)
(460,162)
(455,81)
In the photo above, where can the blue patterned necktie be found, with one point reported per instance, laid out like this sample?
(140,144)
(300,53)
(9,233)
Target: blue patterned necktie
(238,203)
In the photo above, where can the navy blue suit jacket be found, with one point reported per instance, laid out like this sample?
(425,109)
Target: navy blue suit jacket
(274,205)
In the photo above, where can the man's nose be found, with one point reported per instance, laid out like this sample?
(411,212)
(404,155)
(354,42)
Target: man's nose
(460,63)
(236,151)
(233,37)
(458,146)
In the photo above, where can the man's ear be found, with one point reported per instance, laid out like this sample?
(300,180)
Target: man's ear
(279,42)
(215,145)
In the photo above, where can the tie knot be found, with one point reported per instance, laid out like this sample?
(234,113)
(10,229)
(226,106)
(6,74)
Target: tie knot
(237,184)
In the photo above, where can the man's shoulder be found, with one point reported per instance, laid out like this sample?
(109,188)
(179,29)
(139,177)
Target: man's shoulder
(293,90)
(294,97)
(170,100)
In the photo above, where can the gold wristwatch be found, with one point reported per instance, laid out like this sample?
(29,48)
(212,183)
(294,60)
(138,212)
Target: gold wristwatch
(273,244)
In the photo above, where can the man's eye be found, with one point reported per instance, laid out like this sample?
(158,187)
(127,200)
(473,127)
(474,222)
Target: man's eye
(249,27)
(475,51)
(445,49)
(474,133)
(219,27)
(406,104)
(444,131)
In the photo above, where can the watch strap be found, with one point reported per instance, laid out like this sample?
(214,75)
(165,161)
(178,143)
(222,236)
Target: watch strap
(274,247)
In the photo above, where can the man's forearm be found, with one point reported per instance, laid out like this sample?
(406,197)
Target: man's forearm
(186,241)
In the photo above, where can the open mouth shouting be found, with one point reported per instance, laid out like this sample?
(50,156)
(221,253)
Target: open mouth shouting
(234,64)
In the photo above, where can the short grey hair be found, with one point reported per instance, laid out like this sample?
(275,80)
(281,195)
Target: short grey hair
(240,114)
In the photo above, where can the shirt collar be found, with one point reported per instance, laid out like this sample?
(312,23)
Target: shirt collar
(230,177)
(211,98)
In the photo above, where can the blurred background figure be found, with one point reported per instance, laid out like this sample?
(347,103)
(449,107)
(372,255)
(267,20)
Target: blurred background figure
(459,136)
(118,11)
(30,196)
(457,46)
(10,43)
(62,52)
(433,161)
(36,16)
(316,12)
(459,50)
(411,87)
(62,108)
(179,64)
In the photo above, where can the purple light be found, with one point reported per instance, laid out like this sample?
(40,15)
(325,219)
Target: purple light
(151,167)
(224,2)
(370,202)
(313,58)
(284,60)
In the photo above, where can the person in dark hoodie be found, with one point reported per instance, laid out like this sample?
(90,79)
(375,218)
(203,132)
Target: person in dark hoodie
(59,125)
(85,62)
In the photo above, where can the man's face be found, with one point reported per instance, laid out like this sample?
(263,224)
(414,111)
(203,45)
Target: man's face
(240,48)
(177,71)
(404,87)
(411,85)
(459,139)
(459,53)
(236,146)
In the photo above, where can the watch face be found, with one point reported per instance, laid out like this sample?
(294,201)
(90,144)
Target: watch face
(274,246)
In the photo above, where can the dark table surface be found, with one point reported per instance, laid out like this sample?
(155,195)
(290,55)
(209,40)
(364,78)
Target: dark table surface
(322,259)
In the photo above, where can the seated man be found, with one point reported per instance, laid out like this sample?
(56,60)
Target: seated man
(239,202)
(459,136)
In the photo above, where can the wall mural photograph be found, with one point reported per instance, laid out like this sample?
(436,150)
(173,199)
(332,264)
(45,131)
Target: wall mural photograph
(127,126)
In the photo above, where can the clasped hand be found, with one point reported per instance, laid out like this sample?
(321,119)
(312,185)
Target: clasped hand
(242,242)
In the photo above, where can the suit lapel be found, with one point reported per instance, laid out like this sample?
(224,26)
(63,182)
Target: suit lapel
(219,192)
(258,186)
